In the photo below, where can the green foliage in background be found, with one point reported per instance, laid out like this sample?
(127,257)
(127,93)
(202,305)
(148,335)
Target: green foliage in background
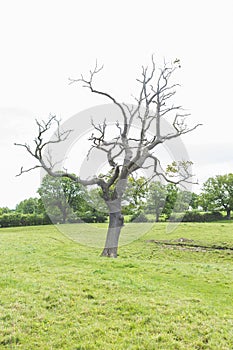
(217,194)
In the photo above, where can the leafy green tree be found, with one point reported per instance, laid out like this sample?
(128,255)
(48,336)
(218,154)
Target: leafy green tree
(94,209)
(171,197)
(134,198)
(194,201)
(61,197)
(204,201)
(217,194)
(156,198)
(163,199)
(182,201)
(29,206)
(4,210)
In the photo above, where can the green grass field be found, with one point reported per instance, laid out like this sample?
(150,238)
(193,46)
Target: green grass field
(57,294)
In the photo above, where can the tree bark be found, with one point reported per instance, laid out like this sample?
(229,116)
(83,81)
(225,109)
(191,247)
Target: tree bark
(116,222)
(157,213)
(228,214)
(64,216)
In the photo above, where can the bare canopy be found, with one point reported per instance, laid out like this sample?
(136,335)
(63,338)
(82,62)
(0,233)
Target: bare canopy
(127,152)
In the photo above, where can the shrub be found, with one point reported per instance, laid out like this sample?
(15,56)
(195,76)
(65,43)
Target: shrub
(214,216)
(19,219)
(138,217)
(90,217)
(195,216)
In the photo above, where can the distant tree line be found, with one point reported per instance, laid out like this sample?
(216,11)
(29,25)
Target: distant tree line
(215,202)
(63,201)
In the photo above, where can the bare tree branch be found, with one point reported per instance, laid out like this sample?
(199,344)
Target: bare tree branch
(89,84)
(40,143)
(128,151)
(22,171)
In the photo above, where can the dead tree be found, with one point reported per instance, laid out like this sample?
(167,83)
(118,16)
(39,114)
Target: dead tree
(125,153)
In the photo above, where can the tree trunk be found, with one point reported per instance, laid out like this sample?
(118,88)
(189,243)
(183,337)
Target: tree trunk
(157,213)
(116,221)
(63,212)
(228,214)
(63,217)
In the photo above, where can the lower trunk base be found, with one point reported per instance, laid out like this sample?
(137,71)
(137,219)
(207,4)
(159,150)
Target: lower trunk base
(110,252)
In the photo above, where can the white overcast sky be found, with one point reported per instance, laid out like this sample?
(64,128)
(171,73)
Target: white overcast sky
(45,42)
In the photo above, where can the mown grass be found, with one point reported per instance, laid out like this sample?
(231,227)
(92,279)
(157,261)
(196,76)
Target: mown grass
(57,294)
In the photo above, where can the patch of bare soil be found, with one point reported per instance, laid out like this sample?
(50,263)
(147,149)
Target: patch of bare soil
(187,245)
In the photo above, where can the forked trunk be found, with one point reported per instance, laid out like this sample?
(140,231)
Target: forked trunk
(116,222)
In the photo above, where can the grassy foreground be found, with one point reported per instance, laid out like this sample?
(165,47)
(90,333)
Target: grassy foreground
(57,294)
